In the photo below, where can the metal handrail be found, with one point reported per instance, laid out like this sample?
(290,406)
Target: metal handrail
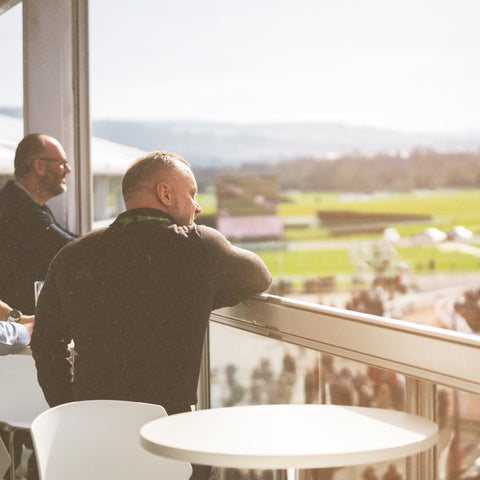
(422,352)
(426,355)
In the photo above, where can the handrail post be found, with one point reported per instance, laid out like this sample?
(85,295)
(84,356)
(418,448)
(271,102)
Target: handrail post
(421,399)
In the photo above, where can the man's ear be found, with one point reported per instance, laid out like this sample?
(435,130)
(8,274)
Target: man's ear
(38,166)
(164,193)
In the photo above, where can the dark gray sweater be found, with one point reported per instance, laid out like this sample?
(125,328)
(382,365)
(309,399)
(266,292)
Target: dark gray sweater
(136,298)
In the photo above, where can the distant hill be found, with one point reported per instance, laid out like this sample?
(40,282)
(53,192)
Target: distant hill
(223,144)
(207,145)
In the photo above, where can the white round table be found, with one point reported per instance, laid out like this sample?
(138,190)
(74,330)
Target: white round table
(288,436)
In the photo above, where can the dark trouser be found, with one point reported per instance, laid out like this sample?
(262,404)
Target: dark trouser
(201,472)
(22,438)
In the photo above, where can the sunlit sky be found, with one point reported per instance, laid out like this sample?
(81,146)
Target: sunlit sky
(411,65)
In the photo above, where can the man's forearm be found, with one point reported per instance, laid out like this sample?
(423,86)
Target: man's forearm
(52,359)
(54,377)
(13,338)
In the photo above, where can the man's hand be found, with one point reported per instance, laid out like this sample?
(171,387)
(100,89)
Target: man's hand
(28,321)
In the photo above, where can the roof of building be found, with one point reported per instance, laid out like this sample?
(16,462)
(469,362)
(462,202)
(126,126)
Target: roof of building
(107,158)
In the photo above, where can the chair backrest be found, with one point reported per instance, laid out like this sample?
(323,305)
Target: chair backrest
(21,398)
(100,439)
(4,459)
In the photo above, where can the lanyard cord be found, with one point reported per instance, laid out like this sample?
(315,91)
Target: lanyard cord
(141,218)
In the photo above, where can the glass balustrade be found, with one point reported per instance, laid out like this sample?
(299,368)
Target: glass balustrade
(270,350)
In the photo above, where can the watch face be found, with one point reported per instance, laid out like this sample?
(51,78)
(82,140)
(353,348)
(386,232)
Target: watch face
(14,316)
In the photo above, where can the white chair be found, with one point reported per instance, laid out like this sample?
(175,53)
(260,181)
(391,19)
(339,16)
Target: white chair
(4,459)
(21,398)
(100,439)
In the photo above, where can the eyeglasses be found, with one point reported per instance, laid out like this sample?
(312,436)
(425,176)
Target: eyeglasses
(63,162)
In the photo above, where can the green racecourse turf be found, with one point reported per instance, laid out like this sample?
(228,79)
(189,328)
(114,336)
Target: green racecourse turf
(447,208)
(334,262)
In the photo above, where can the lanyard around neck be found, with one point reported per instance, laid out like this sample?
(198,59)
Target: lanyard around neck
(142,218)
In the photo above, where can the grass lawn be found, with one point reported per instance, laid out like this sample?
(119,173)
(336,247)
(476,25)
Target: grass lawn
(419,257)
(447,208)
(307,263)
(332,262)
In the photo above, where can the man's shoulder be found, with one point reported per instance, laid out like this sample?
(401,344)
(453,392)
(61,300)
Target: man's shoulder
(192,231)
(11,192)
(205,230)
(15,211)
(7,195)
(84,242)
(86,239)
(204,233)
(211,238)
(14,200)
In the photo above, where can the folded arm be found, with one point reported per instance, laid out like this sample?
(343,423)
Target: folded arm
(239,273)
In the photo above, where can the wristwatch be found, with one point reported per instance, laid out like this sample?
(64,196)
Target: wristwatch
(14,316)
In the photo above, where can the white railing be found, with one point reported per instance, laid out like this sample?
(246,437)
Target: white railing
(427,356)
(426,353)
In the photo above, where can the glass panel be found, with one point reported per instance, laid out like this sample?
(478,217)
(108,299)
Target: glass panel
(248,369)
(318,143)
(107,197)
(11,89)
(251,369)
(459,435)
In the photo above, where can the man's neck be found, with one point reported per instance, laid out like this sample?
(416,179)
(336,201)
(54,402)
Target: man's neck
(143,214)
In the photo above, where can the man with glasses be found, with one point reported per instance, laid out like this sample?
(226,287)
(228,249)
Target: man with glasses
(29,234)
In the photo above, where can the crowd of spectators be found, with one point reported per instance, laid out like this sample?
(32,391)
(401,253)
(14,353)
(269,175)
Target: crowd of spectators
(375,388)
(266,387)
(391,473)
(322,383)
(468,306)
(367,301)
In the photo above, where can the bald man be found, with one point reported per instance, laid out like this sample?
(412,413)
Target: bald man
(136,297)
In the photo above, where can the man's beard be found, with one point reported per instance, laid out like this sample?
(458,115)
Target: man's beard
(54,185)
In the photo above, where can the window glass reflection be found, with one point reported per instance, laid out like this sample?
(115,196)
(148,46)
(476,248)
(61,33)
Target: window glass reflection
(11,90)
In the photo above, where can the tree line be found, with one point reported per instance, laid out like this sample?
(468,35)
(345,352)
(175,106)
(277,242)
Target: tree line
(421,169)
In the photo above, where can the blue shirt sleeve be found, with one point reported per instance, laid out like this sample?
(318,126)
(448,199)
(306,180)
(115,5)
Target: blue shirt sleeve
(14,337)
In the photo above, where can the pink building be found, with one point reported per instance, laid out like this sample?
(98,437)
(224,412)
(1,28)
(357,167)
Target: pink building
(251,228)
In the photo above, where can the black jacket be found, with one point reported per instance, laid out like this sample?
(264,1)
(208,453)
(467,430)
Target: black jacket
(29,239)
